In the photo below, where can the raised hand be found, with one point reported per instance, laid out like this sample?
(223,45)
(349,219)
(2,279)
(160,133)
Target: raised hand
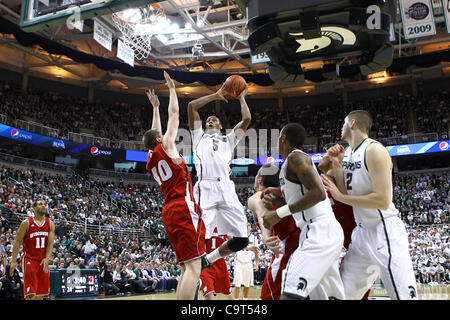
(337,151)
(153,98)
(169,81)
(331,187)
(243,93)
(221,93)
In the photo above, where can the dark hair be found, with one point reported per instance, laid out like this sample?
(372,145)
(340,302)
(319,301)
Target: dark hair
(295,134)
(215,116)
(269,175)
(363,120)
(149,139)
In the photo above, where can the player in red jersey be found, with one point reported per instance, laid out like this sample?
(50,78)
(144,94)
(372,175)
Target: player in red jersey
(283,239)
(36,234)
(216,279)
(181,215)
(342,211)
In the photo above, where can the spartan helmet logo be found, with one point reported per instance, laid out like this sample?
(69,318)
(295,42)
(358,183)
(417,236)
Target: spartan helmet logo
(302,284)
(412,292)
(328,35)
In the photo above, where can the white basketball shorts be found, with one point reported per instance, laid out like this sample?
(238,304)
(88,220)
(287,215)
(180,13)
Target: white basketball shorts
(221,208)
(380,250)
(313,268)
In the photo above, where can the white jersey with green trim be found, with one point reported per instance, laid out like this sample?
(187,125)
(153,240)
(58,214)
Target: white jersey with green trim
(358,182)
(293,191)
(213,153)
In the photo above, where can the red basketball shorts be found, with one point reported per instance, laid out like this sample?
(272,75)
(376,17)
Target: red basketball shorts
(216,279)
(185,229)
(35,280)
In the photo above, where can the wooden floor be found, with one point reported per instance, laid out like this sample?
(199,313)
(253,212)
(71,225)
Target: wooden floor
(425,293)
(253,294)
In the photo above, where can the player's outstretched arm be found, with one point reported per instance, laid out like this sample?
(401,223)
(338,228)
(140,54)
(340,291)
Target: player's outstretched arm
(379,165)
(242,126)
(168,141)
(17,243)
(193,116)
(156,121)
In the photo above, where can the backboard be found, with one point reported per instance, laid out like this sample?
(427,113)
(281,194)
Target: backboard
(38,15)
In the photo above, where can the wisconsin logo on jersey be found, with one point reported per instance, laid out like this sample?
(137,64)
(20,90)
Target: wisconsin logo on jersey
(302,284)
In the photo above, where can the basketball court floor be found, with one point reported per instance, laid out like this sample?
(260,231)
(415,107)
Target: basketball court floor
(425,293)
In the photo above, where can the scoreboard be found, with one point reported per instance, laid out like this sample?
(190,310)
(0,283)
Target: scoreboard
(74,282)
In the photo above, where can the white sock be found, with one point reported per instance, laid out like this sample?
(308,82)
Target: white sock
(213,256)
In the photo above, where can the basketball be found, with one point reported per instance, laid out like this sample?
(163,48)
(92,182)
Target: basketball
(234,85)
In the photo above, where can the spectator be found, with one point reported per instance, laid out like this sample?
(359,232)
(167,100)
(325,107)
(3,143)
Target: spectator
(107,280)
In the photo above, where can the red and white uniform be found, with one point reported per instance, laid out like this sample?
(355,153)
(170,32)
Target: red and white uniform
(35,280)
(181,214)
(344,215)
(215,279)
(288,233)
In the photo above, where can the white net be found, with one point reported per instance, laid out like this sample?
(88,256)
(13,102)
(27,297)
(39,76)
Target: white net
(136,26)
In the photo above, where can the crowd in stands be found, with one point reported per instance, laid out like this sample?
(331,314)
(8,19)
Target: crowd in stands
(424,198)
(104,119)
(432,113)
(131,250)
(430,252)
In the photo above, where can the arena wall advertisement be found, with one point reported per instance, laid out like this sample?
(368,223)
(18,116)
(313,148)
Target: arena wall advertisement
(141,156)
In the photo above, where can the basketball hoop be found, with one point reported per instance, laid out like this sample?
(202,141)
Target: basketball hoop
(135,24)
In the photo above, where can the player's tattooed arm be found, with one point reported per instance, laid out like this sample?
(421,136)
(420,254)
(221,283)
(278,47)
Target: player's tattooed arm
(301,166)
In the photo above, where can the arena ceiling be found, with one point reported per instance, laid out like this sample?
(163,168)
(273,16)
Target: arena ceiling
(222,34)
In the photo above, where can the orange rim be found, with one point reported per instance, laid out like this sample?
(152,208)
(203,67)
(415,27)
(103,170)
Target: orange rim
(157,5)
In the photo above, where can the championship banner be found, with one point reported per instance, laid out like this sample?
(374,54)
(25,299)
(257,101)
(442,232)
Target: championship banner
(446,12)
(417,18)
(259,58)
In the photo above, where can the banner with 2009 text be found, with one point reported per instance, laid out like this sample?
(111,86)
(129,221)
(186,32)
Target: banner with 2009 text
(417,18)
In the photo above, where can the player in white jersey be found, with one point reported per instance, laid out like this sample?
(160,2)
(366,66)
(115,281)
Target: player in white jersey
(243,268)
(313,268)
(214,191)
(379,246)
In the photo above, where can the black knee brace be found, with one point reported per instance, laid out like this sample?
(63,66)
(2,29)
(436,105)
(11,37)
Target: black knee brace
(236,244)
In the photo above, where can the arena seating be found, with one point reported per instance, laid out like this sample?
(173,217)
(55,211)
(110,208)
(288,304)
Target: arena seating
(426,115)
(83,214)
